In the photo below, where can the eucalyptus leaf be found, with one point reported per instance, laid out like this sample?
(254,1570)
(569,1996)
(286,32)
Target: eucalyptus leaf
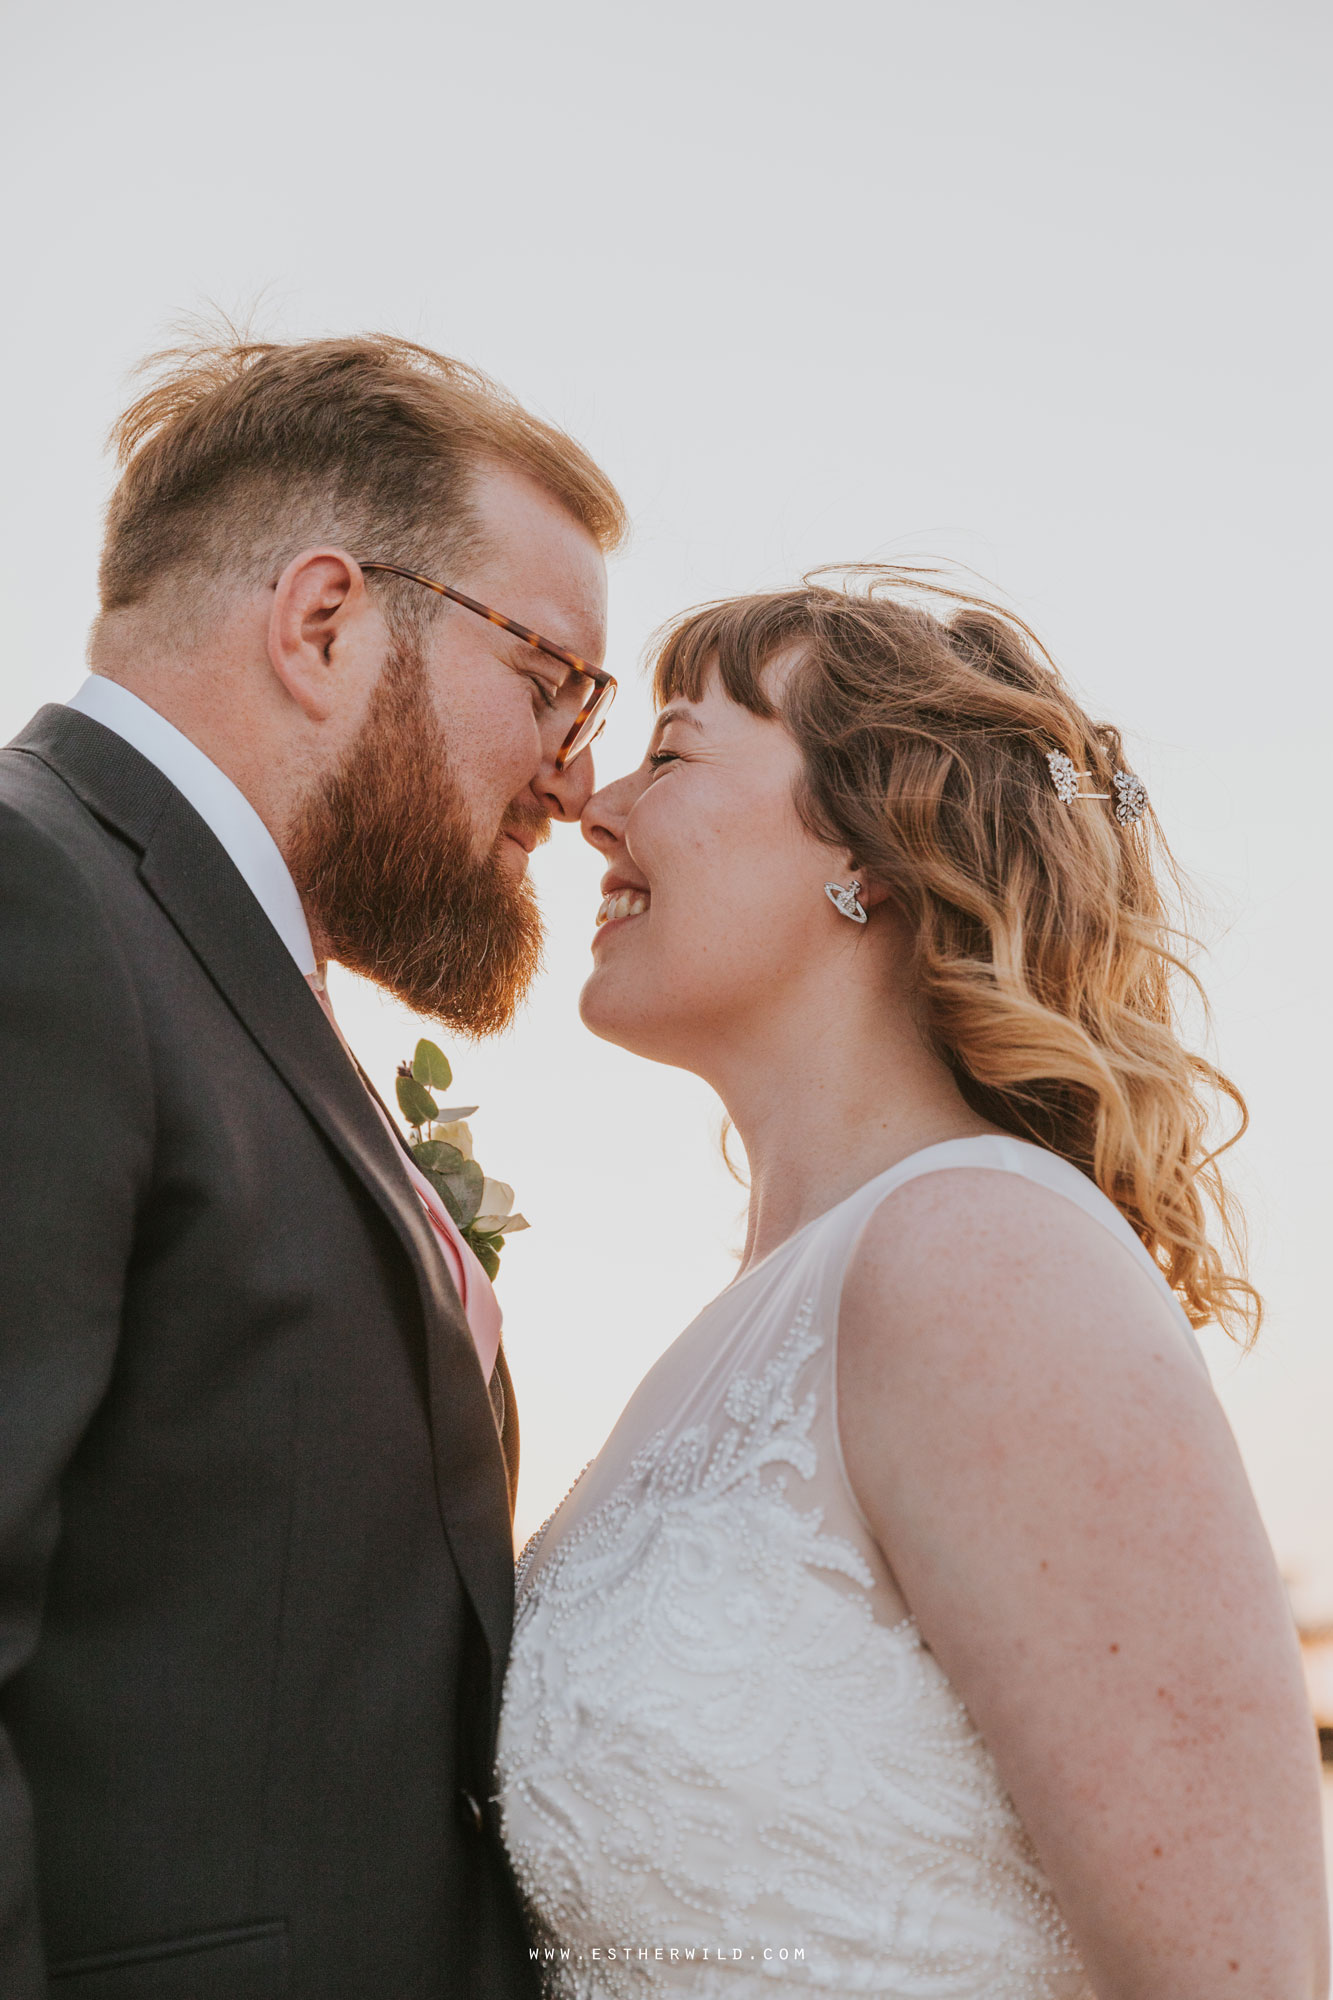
(487,1255)
(467,1184)
(431,1065)
(447,1195)
(415,1101)
(438,1156)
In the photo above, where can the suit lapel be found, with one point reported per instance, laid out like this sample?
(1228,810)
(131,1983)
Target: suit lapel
(187,871)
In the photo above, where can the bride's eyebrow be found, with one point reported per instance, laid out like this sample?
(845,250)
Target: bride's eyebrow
(670,715)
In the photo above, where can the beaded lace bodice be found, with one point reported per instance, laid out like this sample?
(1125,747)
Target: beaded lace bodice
(725,1756)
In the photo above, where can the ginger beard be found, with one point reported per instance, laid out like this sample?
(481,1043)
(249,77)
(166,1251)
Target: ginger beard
(383,854)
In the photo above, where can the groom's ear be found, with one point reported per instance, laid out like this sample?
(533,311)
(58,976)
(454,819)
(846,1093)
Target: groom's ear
(323,632)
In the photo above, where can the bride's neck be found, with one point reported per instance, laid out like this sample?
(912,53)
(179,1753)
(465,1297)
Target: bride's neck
(822,1105)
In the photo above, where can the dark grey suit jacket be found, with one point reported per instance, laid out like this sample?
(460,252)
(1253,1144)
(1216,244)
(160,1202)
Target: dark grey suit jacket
(255,1555)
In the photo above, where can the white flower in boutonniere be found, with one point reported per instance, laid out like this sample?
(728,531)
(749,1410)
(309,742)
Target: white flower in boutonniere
(455,1131)
(441,1145)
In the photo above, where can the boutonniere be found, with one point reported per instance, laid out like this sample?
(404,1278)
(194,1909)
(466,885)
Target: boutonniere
(441,1145)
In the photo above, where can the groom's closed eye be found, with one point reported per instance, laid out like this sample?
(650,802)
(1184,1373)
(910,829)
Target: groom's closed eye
(559,686)
(548,694)
(549,685)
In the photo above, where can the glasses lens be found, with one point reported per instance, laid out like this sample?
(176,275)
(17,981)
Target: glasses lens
(590,727)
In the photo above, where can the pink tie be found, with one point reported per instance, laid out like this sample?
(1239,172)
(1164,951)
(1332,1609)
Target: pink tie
(474,1288)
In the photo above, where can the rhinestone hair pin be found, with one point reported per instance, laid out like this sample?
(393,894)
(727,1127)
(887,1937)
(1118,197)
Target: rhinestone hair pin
(1131,798)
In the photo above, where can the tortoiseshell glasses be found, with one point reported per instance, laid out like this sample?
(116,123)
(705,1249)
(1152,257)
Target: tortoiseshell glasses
(587,713)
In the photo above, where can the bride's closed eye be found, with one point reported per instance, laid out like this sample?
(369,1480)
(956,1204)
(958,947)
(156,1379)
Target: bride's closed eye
(659,758)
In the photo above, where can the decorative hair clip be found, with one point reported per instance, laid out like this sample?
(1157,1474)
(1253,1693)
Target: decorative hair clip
(1131,799)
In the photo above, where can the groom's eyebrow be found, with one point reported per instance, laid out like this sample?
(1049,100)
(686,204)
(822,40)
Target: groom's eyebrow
(522,655)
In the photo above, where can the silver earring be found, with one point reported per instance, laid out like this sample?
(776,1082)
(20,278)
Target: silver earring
(846,901)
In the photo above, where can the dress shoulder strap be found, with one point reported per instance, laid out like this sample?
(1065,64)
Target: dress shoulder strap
(995,1152)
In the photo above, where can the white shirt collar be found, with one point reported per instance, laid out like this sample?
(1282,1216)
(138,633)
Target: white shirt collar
(220,804)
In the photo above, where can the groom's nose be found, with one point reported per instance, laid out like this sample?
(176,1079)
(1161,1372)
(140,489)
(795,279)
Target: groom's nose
(566,793)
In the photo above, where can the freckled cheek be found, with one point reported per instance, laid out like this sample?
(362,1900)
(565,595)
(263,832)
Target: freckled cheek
(679,854)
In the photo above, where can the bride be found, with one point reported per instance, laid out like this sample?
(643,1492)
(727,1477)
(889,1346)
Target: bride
(914,1632)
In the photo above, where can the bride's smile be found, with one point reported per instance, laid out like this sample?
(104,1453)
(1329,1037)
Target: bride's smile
(620,901)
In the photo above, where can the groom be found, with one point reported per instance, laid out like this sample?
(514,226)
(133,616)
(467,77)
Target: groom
(256,1472)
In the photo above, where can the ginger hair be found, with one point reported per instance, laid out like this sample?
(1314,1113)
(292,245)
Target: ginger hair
(1046,965)
(242,452)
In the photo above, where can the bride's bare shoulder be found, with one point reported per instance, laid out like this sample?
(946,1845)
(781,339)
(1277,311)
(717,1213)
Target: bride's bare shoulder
(992,1269)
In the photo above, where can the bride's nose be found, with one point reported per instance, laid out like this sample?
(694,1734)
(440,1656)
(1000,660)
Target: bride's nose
(603,818)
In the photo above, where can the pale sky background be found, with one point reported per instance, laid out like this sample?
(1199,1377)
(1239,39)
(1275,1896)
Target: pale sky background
(1041,288)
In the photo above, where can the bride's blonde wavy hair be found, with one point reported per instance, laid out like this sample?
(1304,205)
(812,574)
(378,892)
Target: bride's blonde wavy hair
(1046,960)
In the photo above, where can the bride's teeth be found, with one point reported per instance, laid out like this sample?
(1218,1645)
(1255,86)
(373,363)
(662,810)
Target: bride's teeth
(622,903)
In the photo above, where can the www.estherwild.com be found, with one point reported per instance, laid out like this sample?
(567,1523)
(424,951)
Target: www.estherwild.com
(664,1954)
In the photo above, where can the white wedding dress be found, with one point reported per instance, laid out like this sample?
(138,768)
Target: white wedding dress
(727,1763)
